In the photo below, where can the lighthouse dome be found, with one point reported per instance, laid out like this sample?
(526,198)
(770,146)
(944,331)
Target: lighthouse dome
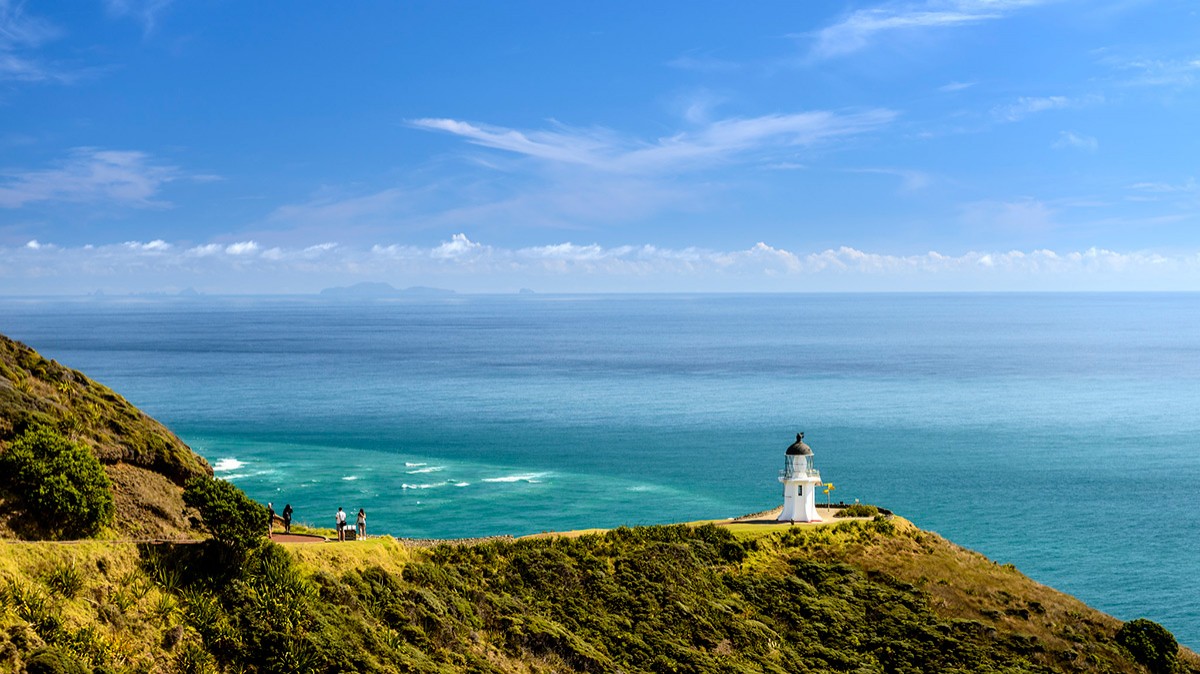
(798,447)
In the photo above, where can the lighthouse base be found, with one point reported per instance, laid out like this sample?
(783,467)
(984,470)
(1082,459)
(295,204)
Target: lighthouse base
(799,502)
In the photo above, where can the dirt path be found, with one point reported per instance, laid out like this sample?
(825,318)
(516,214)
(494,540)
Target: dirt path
(296,538)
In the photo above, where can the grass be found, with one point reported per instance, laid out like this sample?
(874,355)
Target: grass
(92,598)
(965,585)
(384,552)
(98,600)
(743,530)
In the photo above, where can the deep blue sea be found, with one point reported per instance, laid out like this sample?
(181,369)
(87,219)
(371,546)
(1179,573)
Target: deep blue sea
(1060,433)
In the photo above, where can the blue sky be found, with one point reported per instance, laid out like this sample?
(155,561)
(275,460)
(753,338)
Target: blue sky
(156,145)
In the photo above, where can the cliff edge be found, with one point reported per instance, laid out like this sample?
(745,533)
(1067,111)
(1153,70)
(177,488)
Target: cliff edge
(146,463)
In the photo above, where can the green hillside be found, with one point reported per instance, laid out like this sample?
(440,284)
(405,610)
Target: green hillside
(146,464)
(875,596)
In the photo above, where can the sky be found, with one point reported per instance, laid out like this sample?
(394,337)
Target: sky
(153,146)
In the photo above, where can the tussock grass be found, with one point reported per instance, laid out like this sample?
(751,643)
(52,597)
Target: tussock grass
(90,600)
(879,594)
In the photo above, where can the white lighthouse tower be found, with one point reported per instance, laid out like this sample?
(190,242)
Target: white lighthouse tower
(800,481)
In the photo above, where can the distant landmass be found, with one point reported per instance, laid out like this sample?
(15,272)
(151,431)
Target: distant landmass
(379,289)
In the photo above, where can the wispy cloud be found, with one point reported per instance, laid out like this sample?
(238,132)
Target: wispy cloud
(722,140)
(1153,72)
(89,175)
(860,28)
(1188,186)
(21,34)
(1185,194)
(574,179)
(460,260)
(1072,140)
(18,29)
(696,107)
(145,12)
(1026,106)
(951,87)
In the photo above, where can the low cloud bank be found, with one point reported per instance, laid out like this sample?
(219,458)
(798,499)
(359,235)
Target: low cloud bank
(38,268)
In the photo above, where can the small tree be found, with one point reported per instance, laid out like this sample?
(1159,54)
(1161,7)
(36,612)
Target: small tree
(59,484)
(232,518)
(1151,645)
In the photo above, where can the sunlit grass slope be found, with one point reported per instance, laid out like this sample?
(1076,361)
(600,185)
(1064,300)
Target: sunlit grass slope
(873,596)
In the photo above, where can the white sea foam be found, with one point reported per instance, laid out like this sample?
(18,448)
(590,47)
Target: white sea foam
(422,486)
(227,464)
(462,484)
(232,476)
(350,478)
(531,478)
(410,464)
(430,469)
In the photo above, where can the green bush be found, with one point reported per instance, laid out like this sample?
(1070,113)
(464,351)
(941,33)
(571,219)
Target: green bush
(59,485)
(1151,645)
(857,510)
(53,661)
(228,514)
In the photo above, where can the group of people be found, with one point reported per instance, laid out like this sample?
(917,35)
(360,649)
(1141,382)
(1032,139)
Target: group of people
(360,529)
(286,516)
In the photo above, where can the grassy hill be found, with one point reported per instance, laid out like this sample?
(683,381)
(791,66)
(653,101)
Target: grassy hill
(873,596)
(145,462)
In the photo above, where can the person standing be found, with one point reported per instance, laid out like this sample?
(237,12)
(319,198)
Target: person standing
(287,518)
(341,524)
(362,523)
(270,521)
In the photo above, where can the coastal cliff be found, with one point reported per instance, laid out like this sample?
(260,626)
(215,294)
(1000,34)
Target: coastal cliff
(145,462)
(870,595)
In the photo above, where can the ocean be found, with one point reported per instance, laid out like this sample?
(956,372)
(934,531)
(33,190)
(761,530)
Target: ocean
(1056,432)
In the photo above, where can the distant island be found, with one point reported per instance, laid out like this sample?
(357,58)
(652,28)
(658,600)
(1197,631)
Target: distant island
(380,289)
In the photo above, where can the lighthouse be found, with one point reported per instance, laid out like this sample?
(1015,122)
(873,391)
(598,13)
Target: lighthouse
(800,481)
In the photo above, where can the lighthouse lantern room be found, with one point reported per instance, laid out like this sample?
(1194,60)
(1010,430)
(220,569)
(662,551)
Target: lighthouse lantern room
(800,481)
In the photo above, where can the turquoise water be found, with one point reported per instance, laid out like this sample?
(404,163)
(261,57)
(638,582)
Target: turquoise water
(1056,432)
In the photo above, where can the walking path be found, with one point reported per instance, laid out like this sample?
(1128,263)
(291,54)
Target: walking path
(296,538)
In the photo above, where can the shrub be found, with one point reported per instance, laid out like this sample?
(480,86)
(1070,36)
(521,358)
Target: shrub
(59,484)
(857,510)
(1151,645)
(53,661)
(228,514)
